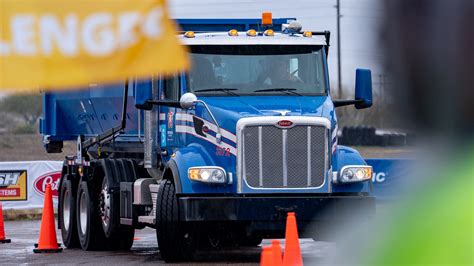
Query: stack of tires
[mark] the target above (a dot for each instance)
(367, 136)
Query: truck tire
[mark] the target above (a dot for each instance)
(108, 208)
(124, 239)
(67, 214)
(119, 237)
(176, 240)
(91, 235)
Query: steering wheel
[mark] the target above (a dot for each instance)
(295, 78)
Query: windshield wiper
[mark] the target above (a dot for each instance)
(288, 90)
(226, 90)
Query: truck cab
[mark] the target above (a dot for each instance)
(219, 153)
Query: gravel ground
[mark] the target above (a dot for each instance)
(145, 250)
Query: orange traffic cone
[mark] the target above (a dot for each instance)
(267, 258)
(277, 255)
(292, 256)
(3, 239)
(47, 241)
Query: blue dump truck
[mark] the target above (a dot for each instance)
(216, 155)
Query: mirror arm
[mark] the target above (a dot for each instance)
(149, 104)
(176, 104)
(339, 103)
(218, 133)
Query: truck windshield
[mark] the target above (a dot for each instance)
(257, 70)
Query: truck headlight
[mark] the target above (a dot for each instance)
(208, 174)
(354, 173)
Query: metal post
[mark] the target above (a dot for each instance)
(339, 79)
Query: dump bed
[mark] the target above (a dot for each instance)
(93, 110)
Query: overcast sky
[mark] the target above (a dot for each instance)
(359, 26)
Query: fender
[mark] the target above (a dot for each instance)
(191, 156)
(348, 156)
(171, 170)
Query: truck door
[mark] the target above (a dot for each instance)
(169, 90)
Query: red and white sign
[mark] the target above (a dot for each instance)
(10, 192)
(36, 175)
(49, 178)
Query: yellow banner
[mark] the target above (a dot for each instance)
(56, 44)
(13, 185)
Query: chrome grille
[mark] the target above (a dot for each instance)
(273, 157)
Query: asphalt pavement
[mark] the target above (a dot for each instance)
(145, 250)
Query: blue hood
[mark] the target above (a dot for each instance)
(228, 110)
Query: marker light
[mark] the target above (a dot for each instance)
(354, 173)
(233, 32)
(269, 33)
(189, 34)
(252, 33)
(207, 174)
(267, 18)
(308, 34)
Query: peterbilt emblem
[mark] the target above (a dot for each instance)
(284, 124)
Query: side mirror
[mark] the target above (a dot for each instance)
(363, 88)
(187, 100)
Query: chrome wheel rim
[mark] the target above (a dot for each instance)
(104, 205)
(66, 209)
(83, 213)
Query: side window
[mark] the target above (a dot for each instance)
(171, 88)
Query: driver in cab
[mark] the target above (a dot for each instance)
(277, 72)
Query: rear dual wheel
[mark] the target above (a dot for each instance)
(119, 237)
(91, 235)
(67, 214)
(89, 215)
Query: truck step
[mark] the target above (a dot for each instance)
(149, 220)
(126, 221)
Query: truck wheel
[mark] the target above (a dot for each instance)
(107, 209)
(176, 240)
(119, 237)
(67, 214)
(91, 236)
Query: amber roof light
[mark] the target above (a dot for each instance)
(267, 18)
(251, 33)
(189, 34)
(233, 32)
(269, 33)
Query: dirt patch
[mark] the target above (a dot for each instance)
(30, 214)
(29, 147)
(385, 152)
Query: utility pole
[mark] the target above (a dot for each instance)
(339, 79)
